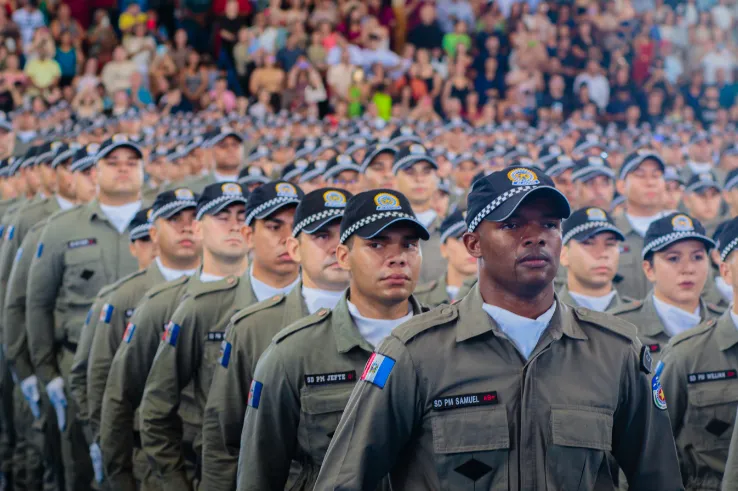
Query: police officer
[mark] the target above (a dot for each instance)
(190, 347)
(675, 261)
(590, 252)
(674, 188)
(701, 384)
(416, 173)
(303, 381)
(641, 182)
(80, 252)
(594, 182)
(464, 396)
(178, 253)
(315, 231)
(703, 200)
(251, 177)
(227, 149)
(344, 173)
(460, 265)
(377, 166)
(559, 167)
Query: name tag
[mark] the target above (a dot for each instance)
(76, 244)
(330, 378)
(465, 400)
(698, 378)
(216, 336)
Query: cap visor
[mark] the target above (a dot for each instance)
(169, 213)
(375, 228)
(592, 232)
(274, 209)
(314, 227)
(222, 206)
(699, 188)
(112, 148)
(558, 203)
(684, 236)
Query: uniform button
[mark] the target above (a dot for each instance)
(275, 298)
(446, 311)
(231, 280)
(322, 312)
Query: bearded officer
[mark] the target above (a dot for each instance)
(315, 235)
(303, 381)
(470, 395)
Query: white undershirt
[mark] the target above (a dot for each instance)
(700, 167)
(452, 291)
(674, 319)
(522, 331)
(170, 274)
(734, 317)
(121, 216)
(210, 278)
(224, 178)
(264, 291)
(64, 203)
(316, 299)
(598, 304)
(426, 217)
(375, 330)
(640, 224)
(726, 290)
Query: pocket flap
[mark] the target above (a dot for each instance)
(712, 396)
(82, 255)
(582, 427)
(473, 430)
(325, 401)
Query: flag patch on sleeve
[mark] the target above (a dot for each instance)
(255, 394)
(225, 354)
(130, 329)
(11, 232)
(18, 254)
(378, 370)
(171, 334)
(106, 313)
(39, 250)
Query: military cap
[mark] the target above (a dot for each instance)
(704, 180)
(588, 168)
(84, 157)
(140, 225)
(306, 148)
(294, 169)
(411, 155)
(64, 152)
(516, 152)
(313, 170)
(497, 196)
(260, 152)
(671, 174)
(672, 228)
(169, 203)
(319, 208)
(14, 164)
(340, 163)
(374, 150)
(29, 159)
(404, 135)
(700, 136)
(221, 133)
(495, 151)
(635, 159)
(558, 165)
(727, 239)
(216, 197)
(160, 151)
(453, 226)
(731, 149)
(356, 143)
(5, 123)
(617, 200)
(118, 141)
(444, 186)
(252, 174)
(548, 153)
(46, 152)
(271, 197)
(324, 144)
(587, 222)
(457, 124)
(369, 213)
(590, 140)
(130, 114)
(4, 167)
(465, 157)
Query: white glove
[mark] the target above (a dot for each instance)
(55, 390)
(97, 462)
(29, 387)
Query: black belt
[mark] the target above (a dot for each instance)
(137, 440)
(70, 345)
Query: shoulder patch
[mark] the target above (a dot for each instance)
(213, 287)
(419, 323)
(426, 287)
(258, 307)
(609, 322)
(695, 331)
(311, 320)
(162, 287)
(628, 305)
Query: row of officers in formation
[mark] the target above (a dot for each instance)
(241, 332)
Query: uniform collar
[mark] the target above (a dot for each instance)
(474, 321)
(622, 222)
(566, 297)
(95, 211)
(652, 325)
(726, 332)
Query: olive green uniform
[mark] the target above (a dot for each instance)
(306, 377)
(188, 353)
(433, 294)
(700, 380)
(467, 286)
(461, 409)
(651, 331)
(120, 438)
(197, 183)
(634, 283)
(81, 252)
(434, 265)
(247, 336)
(730, 478)
(711, 295)
(108, 334)
(616, 302)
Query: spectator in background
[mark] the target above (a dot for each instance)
(288, 55)
(68, 58)
(453, 39)
(193, 80)
(269, 77)
(28, 18)
(242, 59)
(596, 82)
(221, 97)
(428, 33)
(340, 77)
(317, 51)
(88, 103)
(728, 91)
(64, 23)
(130, 17)
(181, 49)
(88, 79)
(451, 11)
(228, 26)
(116, 75)
(43, 72)
(718, 56)
(101, 37)
(325, 11)
(722, 16)
(140, 46)
(139, 95)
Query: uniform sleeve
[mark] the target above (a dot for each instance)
(8, 253)
(378, 422)
(674, 381)
(642, 440)
(172, 370)
(44, 281)
(123, 393)
(105, 342)
(730, 478)
(14, 314)
(78, 373)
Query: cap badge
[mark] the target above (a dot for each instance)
(286, 189)
(92, 148)
(523, 177)
(183, 193)
(301, 164)
(334, 199)
(596, 161)
(555, 151)
(706, 177)
(596, 215)
(682, 223)
(321, 164)
(231, 188)
(55, 146)
(149, 213)
(386, 201)
(119, 138)
(255, 171)
(343, 160)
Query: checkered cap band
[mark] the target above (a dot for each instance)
(63, 156)
(731, 184)
(316, 218)
(219, 201)
(413, 158)
(82, 163)
(292, 174)
(604, 226)
(667, 239)
(557, 169)
(309, 175)
(699, 185)
(279, 200)
(496, 203)
(586, 171)
(252, 179)
(453, 230)
(174, 205)
(725, 251)
(371, 219)
(140, 232)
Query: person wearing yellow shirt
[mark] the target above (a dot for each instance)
(43, 71)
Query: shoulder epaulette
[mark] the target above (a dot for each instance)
(168, 285)
(203, 288)
(107, 289)
(426, 287)
(319, 316)
(607, 321)
(130, 276)
(419, 323)
(258, 307)
(626, 306)
(716, 308)
(701, 328)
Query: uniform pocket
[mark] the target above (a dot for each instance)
(471, 448)
(710, 416)
(580, 438)
(321, 411)
(84, 274)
